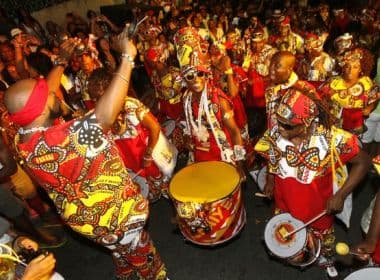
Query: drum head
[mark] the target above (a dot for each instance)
(368, 273)
(204, 182)
(273, 236)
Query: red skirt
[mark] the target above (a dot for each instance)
(305, 201)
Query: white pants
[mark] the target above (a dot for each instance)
(373, 129)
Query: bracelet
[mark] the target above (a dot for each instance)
(148, 157)
(59, 61)
(122, 77)
(129, 58)
(228, 71)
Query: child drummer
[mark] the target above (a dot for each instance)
(304, 152)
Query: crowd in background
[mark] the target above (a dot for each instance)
(334, 49)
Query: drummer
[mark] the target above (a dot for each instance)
(370, 246)
(300, 170)
(210, 123)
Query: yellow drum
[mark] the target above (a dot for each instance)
(207, 197)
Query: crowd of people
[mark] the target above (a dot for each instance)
(100, 116)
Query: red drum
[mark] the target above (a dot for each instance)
(301, 249)
(207, 198)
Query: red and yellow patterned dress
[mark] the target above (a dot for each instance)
(80, 168)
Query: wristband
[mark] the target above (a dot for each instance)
(129, 58)
(148, 157)
(59, 61)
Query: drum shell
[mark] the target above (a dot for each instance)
(212, 223)
(208, 200)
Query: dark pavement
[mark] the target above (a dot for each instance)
(244, 257)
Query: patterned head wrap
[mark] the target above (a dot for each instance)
(354, 55)
(314, 41)
(297, 108)
(192, 50)
(343, 42)
(285, 22)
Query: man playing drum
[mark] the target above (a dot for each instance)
(304, 151)
(210, 121)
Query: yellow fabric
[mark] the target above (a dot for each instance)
(376, 163)
(204, 182)
(346, 100)
(99, 197)
(377, 167)
(183, 56)
(170, 83)
(262, 146)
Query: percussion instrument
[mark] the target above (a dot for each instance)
(260, 177)
(368, 273)
(299, 249)
(207, 198)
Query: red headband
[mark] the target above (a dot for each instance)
(34, 106)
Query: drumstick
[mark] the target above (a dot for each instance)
(306, 224)
(343, 249)
(137, 174)
(259, 194)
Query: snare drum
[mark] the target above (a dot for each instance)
(207, 198)
(368, 273)
(300, 249)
